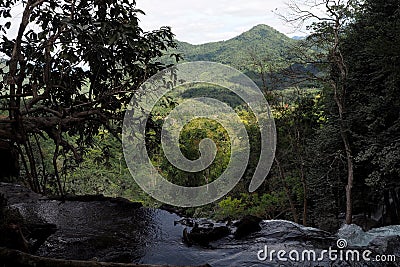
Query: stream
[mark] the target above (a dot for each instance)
(119, 232)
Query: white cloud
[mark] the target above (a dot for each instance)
(211, 20)
(203, 21)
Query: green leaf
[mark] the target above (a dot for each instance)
(113, 39)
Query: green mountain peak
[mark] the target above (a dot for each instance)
(260, 41)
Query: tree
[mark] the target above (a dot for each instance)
(328, 33)
(373, 59)
(71, 70)
(297, 119)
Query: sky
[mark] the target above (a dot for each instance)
(204, 21)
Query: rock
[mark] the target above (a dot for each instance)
(247, 225)
(171, 209)
(11, 224)
(11, 258)
(364, 222)
(16, 233)
(15, 193)
(13, 238)
(185, 221)
(123, 202)
(38, 234)
(203, 235)
(387, 245)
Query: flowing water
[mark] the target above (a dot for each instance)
(108, 231)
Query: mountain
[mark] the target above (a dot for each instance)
(261, 42)
(299, 37)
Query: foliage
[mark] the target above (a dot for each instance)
(261, 39)
(374, 105)
(261, 47)
(360, 105)
(71, 70)
(104, 171)
(264, 206)
(69, 84)
(190, 137)
(374, 86)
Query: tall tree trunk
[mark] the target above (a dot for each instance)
(287, 191)
(304, 183)
(350, 180)
(339, 86)
(349, 157)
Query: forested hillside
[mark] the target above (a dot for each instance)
(262, 53)
(334, 96)
(261, 41)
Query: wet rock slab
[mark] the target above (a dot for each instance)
(115, 230)
(15, 194)
(99, 228)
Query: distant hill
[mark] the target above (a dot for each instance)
(299, 37)
(260, 41)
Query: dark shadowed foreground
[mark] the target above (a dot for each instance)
(110, 230)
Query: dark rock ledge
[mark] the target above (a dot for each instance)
(12, 258)
(19, 255)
